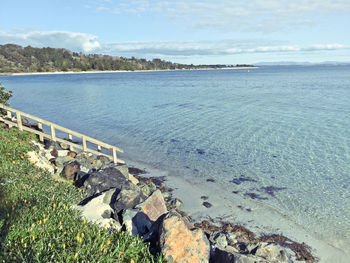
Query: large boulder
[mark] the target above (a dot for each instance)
(178, 243)
(100, 181)
(128, 197)
(95, 210)
(154, 206)
(136, 222)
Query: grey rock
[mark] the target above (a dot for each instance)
(110, 196)
(128, 197)
(136, 222)
(220, 240)
(222, 256)
(166, 195)
(71, 170)
(176, 203)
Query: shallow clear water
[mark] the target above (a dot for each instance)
(286, 127)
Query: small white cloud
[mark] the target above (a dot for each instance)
(59, 39)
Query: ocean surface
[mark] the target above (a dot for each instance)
(281, 135)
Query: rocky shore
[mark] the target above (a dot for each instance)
(122, 198)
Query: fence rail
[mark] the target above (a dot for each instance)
(8, 119)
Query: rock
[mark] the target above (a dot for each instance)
(231, 238)
(269, 251)
(207, 204)
(220, 240)
(54, 153)
(96, 211)
(133, 179)
(86, 161)
(176, 203)
(154, 206)
(136, 222)
(63, 153)
(60, 162)
(71, 170)
(221, 256)
(64, 146)
(128, 197)
(40, 161)
(180, 244)
(123, 168)
(72, 154)
(110, 196)
(144, 188)
(49, 144)
(100, 181)
(166, 195)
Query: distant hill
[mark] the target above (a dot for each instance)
(16, 59)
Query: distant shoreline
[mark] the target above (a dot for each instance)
(113, 71)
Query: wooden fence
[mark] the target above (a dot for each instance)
(8, 119)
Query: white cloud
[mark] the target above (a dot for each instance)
(151, 49)
(206, 48)
(58, 39)
(253, 15)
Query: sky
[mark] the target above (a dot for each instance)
(185, 31)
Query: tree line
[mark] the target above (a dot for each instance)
(15, 59)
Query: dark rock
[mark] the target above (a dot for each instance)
(207, 204)
(49, 144)
(136, 171)
(70, 171)
(104, 160)
(176, 203)
(54, 153)
(200, 151)
(100, 181)
(72, 154)
(203, 197)
(129, 196)
(211, 180)
(136, 222)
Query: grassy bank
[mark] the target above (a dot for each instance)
(37, 223)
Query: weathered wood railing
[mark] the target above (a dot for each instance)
(8, 119)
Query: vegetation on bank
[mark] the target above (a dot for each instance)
(37, 223)
(15, 59)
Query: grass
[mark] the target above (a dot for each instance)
(37, 223)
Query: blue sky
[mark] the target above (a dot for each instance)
(186, 31)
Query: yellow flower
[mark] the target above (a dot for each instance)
(8, 215)
(33, 237)
(105, 251)
(84, 221)
(71, 181)
(22, 157)
(13, 162)
(60, 228)
(132, 261)
(76, 255)
(101, 246)
(39, 222)
(45, 219)
(108, 242)
(22, 240)
(49, 244)
(30, 229)
(8, 154)
(54, 205)
(80, 190)
(60, 222)
(25, 201)
(25, 245)
(82, 235)
(64, 245)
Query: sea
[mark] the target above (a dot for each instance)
(277, 135)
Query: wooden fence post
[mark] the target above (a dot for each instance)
(53, 134)
(70, 137)
(84, 143)
(9, 115)
(115, 160)
(19, 121)
(40, 126)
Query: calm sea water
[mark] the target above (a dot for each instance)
(284, 127)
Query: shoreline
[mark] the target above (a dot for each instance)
(114, 71)
(256, 216)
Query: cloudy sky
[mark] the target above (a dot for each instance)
(186, 31)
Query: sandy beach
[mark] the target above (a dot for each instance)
(252, 214)
(113, 71)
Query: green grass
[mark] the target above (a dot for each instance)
(37, 223)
